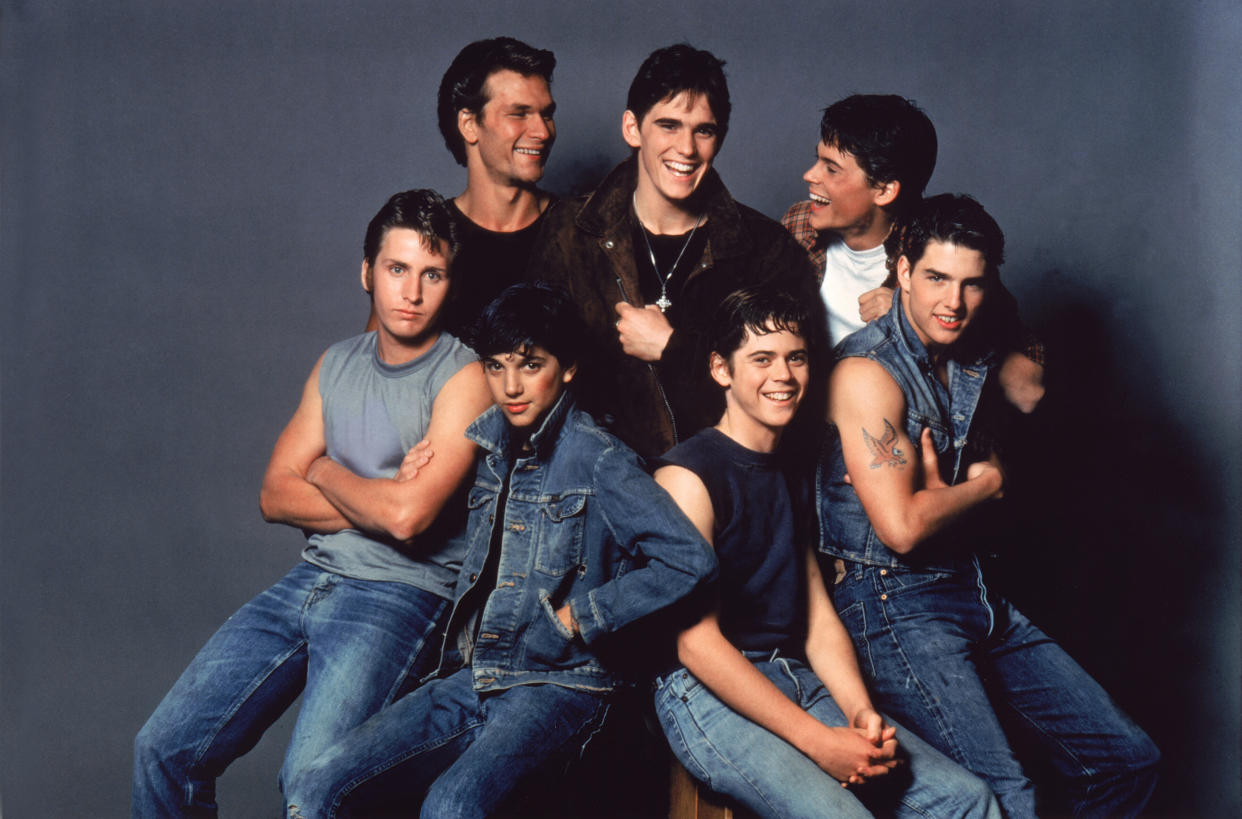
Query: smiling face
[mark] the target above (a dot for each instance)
(676, 141)
(764, 380)
(513, 134)
(408, 283)
(942, 292)
(525, 384)
(844, 201)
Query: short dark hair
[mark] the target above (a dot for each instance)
(757, 311)
(953, 218)
(463, 84)
(529, 315)
(889, 136)
(422, 210)
(673, 69)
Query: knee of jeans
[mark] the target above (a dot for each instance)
(154, 744)
(301, 797)
(976, 800)
(449, 803)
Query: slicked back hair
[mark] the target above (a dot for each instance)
(464, 83)
(673, 69)
(423, 211)
(529, 315)
(952, 218)
(889, 136)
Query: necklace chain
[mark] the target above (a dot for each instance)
(663, 302)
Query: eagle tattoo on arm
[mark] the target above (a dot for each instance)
(883, 450)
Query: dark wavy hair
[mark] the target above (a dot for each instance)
(529, 315)
(756, 311)
(463, 84)
(673, 69)
(952, 218)
(889, 136)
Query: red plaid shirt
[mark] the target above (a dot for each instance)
(797, 220)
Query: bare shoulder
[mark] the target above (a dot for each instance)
(690, 493)
(677, 480)
(859, 383)
(468, 385)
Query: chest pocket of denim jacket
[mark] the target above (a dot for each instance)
(560, 541)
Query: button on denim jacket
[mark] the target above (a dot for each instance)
(951, 414)
(583, 524)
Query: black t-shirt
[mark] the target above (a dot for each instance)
(683, 251)
(487, 263)
(762, 588)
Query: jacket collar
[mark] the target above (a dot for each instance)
(493, 433)
(608, 209)
(911, 345)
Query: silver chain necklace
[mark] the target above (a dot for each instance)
(663, 303)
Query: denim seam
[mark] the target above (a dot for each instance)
(945, 728)
(391, 763)
(210, 737)
(741, 774)
(416, 651)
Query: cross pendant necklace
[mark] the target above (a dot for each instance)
(663, 302)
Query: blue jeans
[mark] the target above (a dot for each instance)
(349, 646)
(944, 655)
(474, 747)
(745, 761)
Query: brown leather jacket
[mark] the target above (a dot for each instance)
(586, 246)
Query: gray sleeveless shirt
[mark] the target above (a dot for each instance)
(372, 414)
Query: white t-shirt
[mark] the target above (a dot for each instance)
(847, 275)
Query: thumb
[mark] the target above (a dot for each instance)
(931, 461)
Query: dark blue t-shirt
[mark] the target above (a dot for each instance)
(762, 582)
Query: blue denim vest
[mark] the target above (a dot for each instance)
(583, 524)
(950, 414)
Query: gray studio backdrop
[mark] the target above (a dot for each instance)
(185, 188)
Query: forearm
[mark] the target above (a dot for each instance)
(903, 527)
(736, 682)
(375, 505)
(290, 500)
(668, 577)
(673, 557)
(831, 656)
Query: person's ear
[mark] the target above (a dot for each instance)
(629, 129)
(367, 282)
(886, 193)
(719, 368)
(903, 272)
(468, 126)
(569, 373)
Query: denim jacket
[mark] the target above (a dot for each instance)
(951, 414)
(583, 524)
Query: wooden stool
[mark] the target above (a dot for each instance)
(690, 799)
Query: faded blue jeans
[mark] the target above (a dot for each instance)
(746, 762)
(943, 654)
(350, 647)
(458, 751)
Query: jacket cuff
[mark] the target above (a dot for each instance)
(591, 623)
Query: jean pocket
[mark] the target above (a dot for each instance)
(893, 582)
